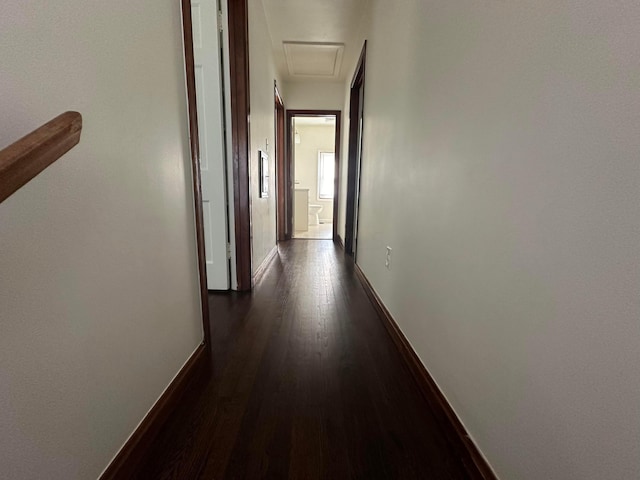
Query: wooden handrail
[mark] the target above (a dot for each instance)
(26, 158)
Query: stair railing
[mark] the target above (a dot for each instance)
(23, 160)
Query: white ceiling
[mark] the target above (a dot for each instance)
(329, 23)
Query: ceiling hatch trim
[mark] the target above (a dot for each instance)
(313, 59)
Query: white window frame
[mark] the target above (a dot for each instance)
(321, 158)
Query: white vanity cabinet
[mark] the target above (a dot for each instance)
(301, 210)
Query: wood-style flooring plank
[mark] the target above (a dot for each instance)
(304, 383)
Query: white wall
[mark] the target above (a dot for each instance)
(262, 74)
(99, 296)
(313, 139)
(508, 154)
(318, 95)
(314, 95)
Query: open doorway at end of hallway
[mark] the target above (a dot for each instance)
(313, 168)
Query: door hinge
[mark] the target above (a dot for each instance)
(228, 251)
(220, 22)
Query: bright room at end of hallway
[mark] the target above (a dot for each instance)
(323, 231)
(314, 171)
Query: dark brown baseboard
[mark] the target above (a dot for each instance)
(339, 241)
(133, 452)
(475, 464)
(260, 271)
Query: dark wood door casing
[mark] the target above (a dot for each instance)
(240, 103)
(354, 158)
(289, 167)
(281, 171)
(195, 165)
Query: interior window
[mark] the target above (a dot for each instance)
(326, 165)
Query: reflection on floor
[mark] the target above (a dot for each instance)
(317, 232)
(304, 383)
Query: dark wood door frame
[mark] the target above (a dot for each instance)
(287, 188)
(281, 167)
(194, 143)
(239, 92)
(354, 159)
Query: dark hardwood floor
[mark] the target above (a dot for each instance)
(304, 383)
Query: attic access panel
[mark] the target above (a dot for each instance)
(309, 59)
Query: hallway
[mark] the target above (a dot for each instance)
(305, 383)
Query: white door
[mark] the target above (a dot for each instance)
(206, 53)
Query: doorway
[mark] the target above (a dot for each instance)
(207, 108)
(281, 166)
(312, 170)
(356, 111)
